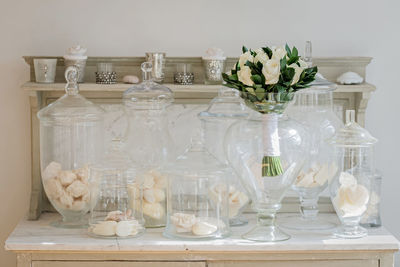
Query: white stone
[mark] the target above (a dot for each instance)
(130, 79)
(106, 228)
(183, 222)
(66, 177)
(51, 171)
(77, 189)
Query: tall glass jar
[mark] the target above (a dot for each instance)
(71, 138)
(198, 193)
(116, 196)
(223, 111)
(314, 108)
(246, 146)
(351, 188)
(148, 140)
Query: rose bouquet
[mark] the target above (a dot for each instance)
(267, 79)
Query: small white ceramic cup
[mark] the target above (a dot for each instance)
(45, 69)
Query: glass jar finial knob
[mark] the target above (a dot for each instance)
(71, 76)
(147, 68)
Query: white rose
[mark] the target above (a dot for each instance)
(298, 70)
(261, 56)
(279, 53)
(271, 71)
(244, 75)
(244, 58)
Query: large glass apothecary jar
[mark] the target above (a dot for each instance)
(313, 107)
(71, 138)
(148, 140)
(198, 193)
(351, 188)
(222, 112)
(116, 196)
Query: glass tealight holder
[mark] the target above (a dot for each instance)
(105, 73)
(351, 188)
(197, 196)
(183, 74)
(116, 196)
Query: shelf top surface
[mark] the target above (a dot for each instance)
(198, 88)
(40, 236)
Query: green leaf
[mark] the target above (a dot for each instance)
(268, 51)
(295, 52)
(256, 79)
(234, 77)
(251, 90)
(283, 64)
(289, 53)
(244, 49)
(260, 93)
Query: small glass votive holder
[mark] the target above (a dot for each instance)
(183, 74)
(105, 73)
(158, 61)
(45, 69)
(213, 69)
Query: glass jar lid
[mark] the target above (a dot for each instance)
(72, 107)
(352, 134)
(228, 104)
(196, 161)
(148, 94)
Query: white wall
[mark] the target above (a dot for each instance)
(187, 28)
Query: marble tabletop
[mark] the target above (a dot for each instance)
(40, 236)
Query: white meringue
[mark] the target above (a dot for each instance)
(51, 171)
(153, 210)
(53, 188)
(66, 177)
(77, 189)
(124, 228)
(204, 227)
(106, 228)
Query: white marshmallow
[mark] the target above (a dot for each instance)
(183, 222)
(51, 171)
(77, 189)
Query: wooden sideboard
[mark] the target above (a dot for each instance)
(38, 244)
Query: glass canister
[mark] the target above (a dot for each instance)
(313, 107)
(116, 196)
(148, 140)
(198, 193)
(223, 111)
(351, 188)
(247, 146)
(372, 216)
(71, 138)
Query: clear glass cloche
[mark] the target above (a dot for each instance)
(222, 112)
(198, 195)
(71, 138)
(148, 139)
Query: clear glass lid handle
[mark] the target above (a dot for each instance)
(147, 68)
(71, 76)
(350, 116)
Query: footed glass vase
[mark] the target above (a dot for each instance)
(247, 144)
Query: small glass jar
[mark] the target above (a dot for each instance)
(372, 216)
(225, 109)
(71, 138)
(183, 74)
(105, 73)
(198, 193)
(116, 196)
(148, 140)
(351, 188)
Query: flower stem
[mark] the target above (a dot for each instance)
(271, 166)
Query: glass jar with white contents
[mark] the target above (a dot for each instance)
(116, 196)
(313, 107)
(71, 138)
(224, 110)
(197, 194)
(351, 188)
